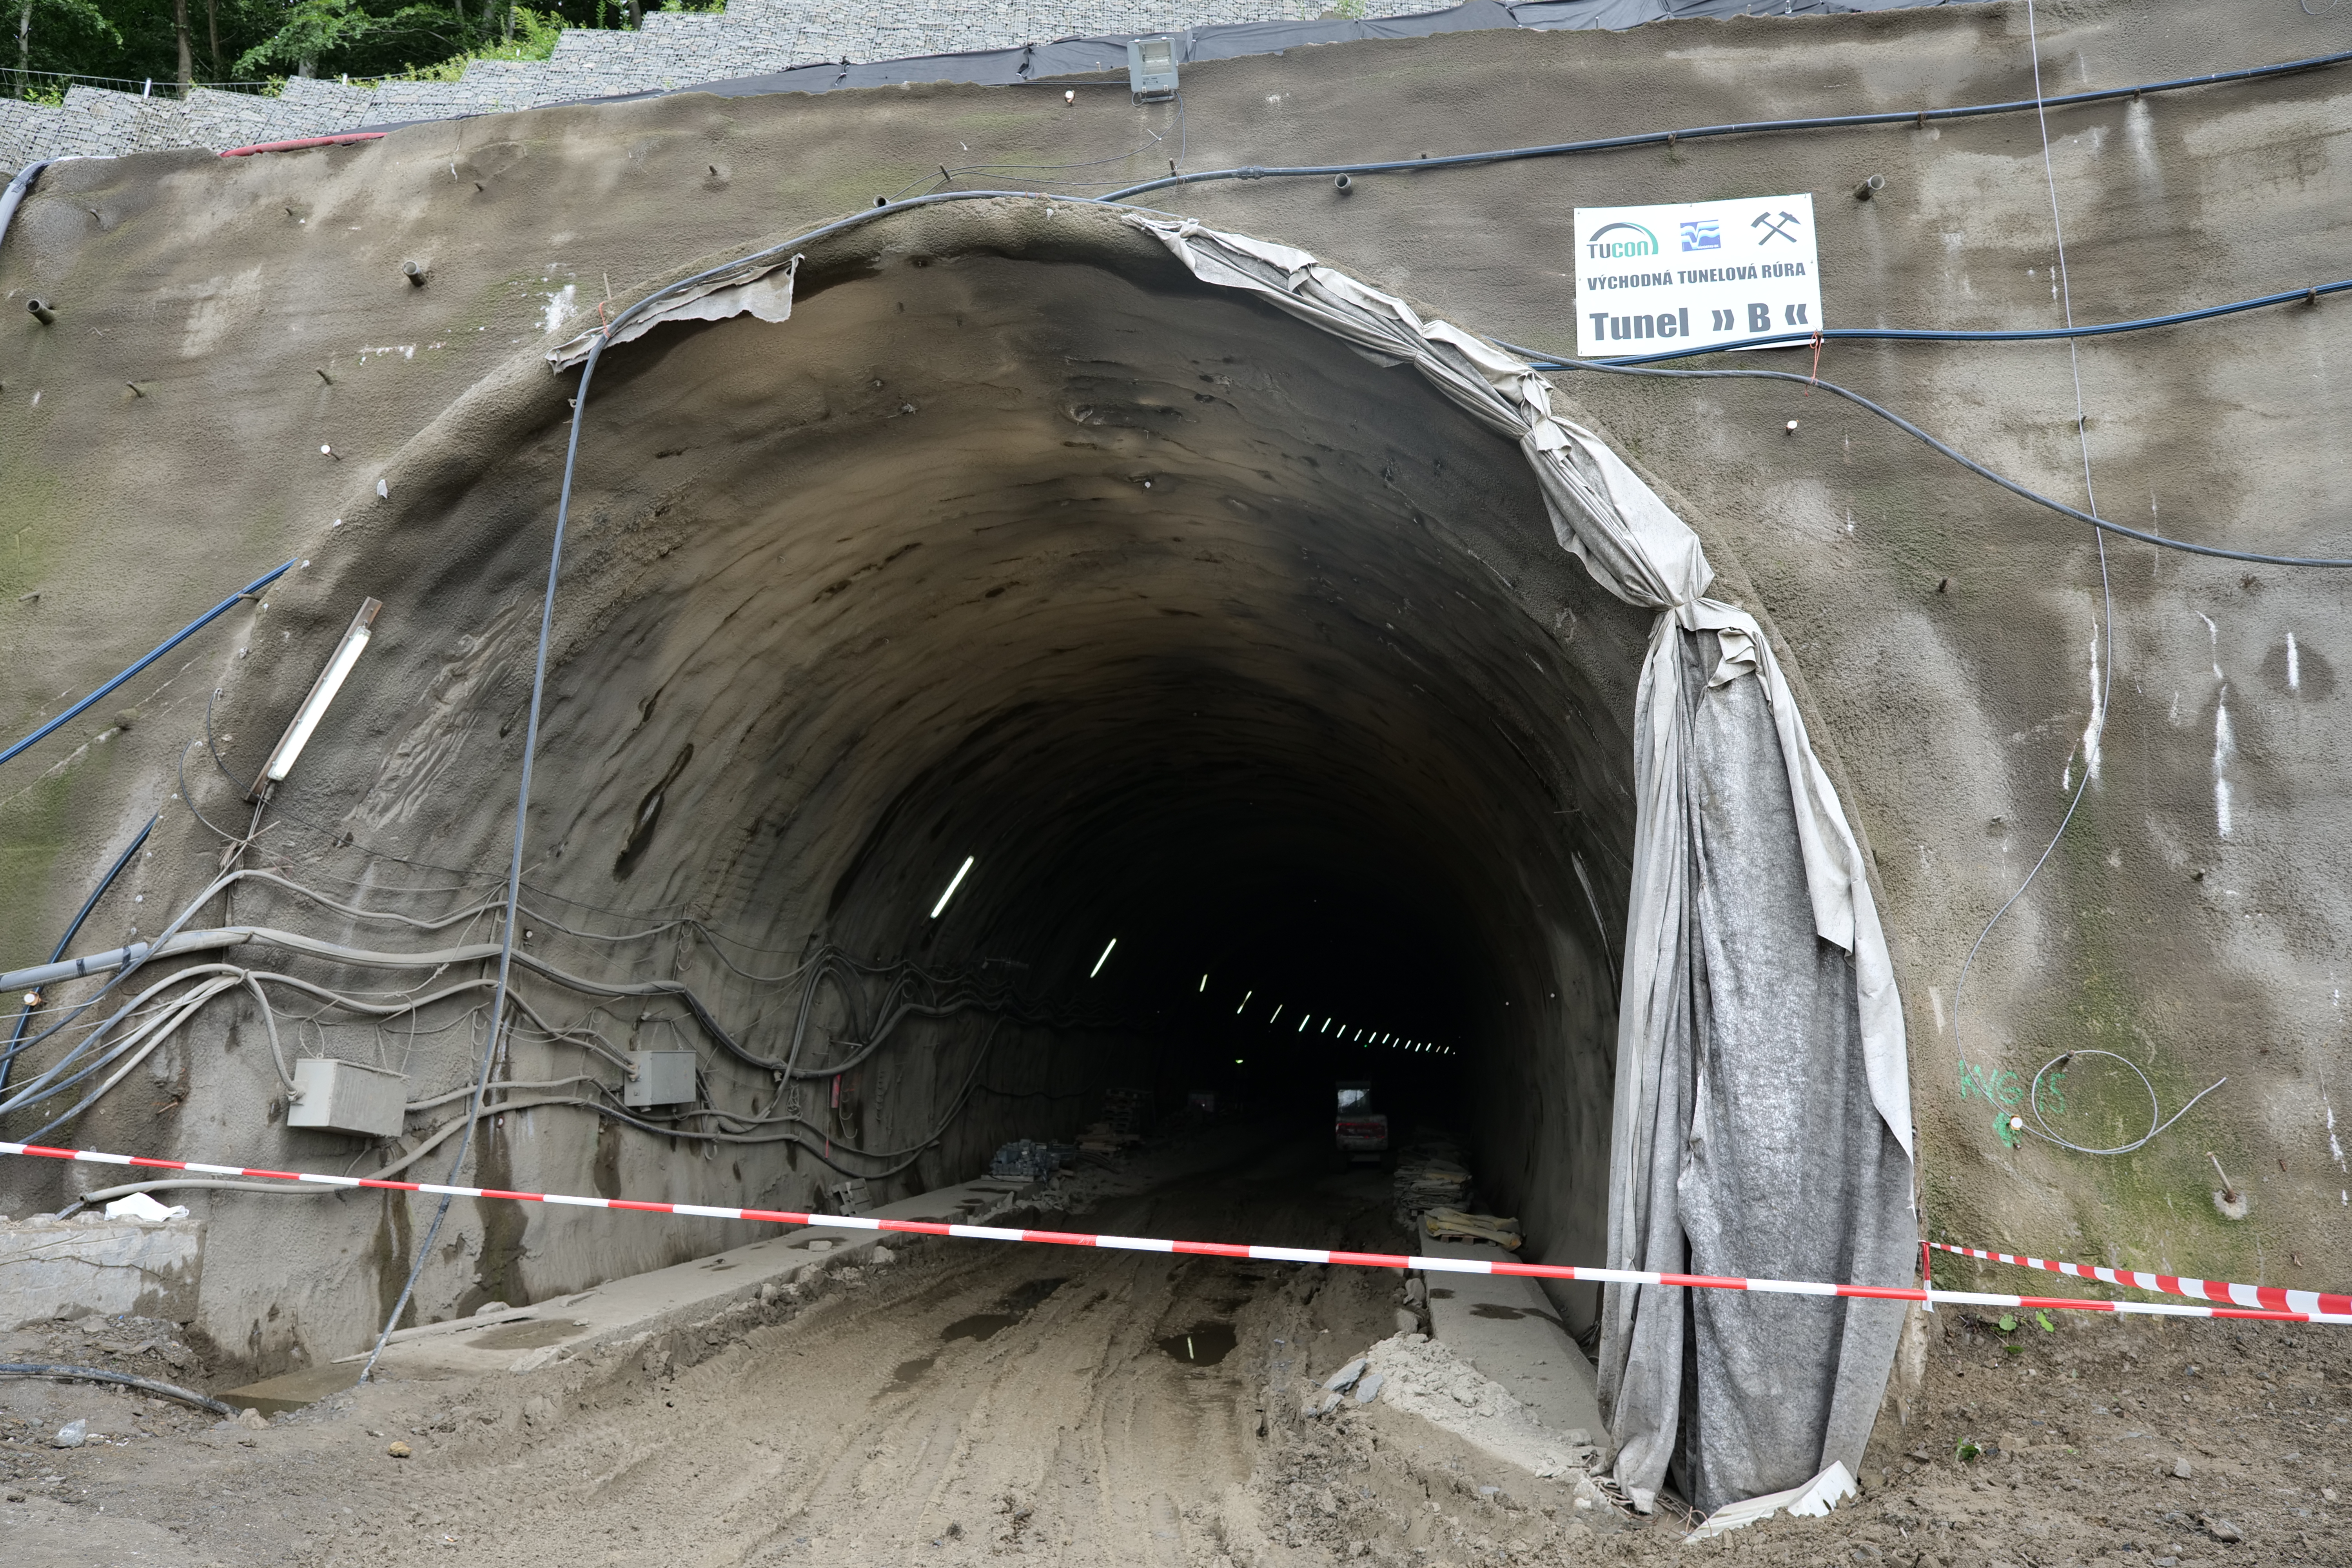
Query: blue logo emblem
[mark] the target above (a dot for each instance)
(1702, 234)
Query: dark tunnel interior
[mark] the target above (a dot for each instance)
(1196, 632)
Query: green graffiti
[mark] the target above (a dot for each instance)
(2053, 1098)
(1999, 1085)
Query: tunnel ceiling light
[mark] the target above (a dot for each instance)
(953, 883)
(1102, 960)
(1326, 1028)
(1204, 983)
(314, 706)
(1303, 1021)
(1246, 997)
(1275, 1014)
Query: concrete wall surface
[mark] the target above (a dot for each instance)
(784, 726)
(88, 1266)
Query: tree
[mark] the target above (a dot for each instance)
(79, 18)
(361, 42)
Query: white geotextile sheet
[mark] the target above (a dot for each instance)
(762, 288)
(1637, 549)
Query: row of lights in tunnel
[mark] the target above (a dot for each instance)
(1362, 1035)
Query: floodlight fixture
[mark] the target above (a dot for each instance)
(1151, 69)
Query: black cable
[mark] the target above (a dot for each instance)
(16, 1036)
(1742, 128)
(2310, 295)
(100, 1374)
(1541, 362)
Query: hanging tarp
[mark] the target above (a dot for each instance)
(763, 289)
(1763, 1115)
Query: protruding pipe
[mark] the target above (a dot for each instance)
(413, 272)
(41, 311)
(1343, 184)
(1869, 187)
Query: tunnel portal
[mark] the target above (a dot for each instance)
(1211, 644)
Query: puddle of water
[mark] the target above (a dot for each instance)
(1439, 1293)
(903, 1377)
(978, 1326)
(1018, 1303)
(1204, 1344)
(528, 1334)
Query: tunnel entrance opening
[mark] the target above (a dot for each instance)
(1215, 647)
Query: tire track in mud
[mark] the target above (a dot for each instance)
(1083, 1408)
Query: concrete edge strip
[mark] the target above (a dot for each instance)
(2274, 1297)
(2311, 1314)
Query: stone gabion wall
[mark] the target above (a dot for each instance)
(674, 48)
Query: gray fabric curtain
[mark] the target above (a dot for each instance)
(1763, 1106)
(1767, 1158)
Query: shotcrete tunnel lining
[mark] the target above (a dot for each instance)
(984, 782)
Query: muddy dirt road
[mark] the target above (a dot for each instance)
(968, 1402)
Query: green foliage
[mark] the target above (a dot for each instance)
(2008, 1324)
(2048, 1327)
(246, 43)
(1968, 1449)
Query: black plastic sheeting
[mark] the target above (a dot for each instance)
(1092, 56)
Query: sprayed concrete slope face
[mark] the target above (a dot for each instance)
(1198, 630)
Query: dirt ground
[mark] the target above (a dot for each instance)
(970, 1401)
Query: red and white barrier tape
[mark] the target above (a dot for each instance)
(2271, 1295)
(1218, 1248)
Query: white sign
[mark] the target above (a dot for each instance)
(1694, 274)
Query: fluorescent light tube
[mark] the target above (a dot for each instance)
(322, 691)
(1102, 960)
(953, 883)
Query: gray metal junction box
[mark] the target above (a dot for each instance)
(659, 1078)
(335, 1096)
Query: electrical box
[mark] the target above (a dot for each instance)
(659, 1078)
(334, 1096)
(1152, 68)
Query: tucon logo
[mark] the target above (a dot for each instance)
(1618, 240)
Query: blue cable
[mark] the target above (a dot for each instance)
(17, 1036)
(166, 646)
